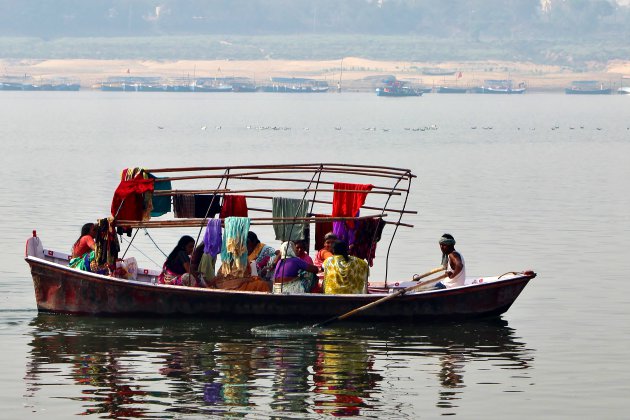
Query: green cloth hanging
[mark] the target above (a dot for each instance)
(161, 204)
(289, 208)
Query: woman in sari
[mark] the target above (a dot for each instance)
(300, 251)
(260, 253)
(292, 274)
(343, 273)
(326, 251)
(85, 243)
(83, 248)
(176, 270)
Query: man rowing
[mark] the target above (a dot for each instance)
(453, 263)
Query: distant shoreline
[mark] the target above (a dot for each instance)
(355, 74)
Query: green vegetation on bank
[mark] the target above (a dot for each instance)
(570, 53)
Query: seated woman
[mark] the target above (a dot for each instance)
(257, 253)
(83, 248)
(261, 254)
(202, 264)
(176, 270)
(292, 274)
(326, 251)
(343, 273)
(85, 243)
(300, 252)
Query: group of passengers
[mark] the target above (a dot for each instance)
(287, 270)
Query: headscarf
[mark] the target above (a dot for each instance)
(287, 250)
(445, 240)
(255, 252)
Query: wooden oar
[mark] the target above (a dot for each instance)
(381, 300)
(417, 277)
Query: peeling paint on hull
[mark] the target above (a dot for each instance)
(66, 290)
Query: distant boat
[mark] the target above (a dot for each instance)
(500, 87)
(10, 86)
(66, 87)
(398, 89)
(61, 85)
(31, 86)
(115, 87)
(438, 72)
(505, 91)
(587, 87)
(211, 88)
(451, 89)
(296, 85)
(150, 87)
(244, 87)
(179, 84)
(131, 84)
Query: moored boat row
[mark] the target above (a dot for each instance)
(216, 85)
(41, 85)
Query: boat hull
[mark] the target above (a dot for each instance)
(294, 89)
(499, 91)
(66, 290)
(448, 89)
(570, 91)
(397, 92)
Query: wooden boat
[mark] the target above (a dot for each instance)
(398, 89)
(500, 87)
(60, 288)
(295, 85)
(438, 72)
(587, 87)
(451, 89)
(244, 87)
(41, 85)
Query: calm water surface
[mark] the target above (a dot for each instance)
(523, 182)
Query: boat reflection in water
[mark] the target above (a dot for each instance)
(136, 368)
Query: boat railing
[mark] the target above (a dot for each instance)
(388, 195)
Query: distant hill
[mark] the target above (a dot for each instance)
(571, 33)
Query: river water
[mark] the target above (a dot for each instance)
(534, 181)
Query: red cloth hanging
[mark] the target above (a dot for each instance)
(233, 206)
(347, 204)
(131, 192)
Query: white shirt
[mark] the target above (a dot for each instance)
(459, 279)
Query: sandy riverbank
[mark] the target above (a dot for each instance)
(357, 74)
